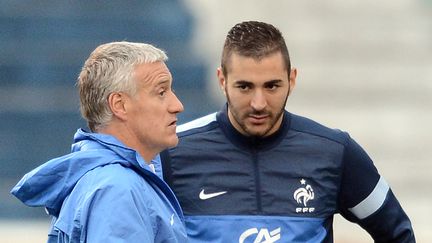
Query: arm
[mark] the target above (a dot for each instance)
(367, 199)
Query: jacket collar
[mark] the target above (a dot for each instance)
(84, 140)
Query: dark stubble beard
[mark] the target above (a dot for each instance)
(239, 119)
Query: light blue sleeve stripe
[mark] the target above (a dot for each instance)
(372, 202)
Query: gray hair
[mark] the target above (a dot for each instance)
(109, 69)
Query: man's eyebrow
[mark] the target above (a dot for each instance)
(274, 81)
(242, 82)
(245, 82)
(162, 82)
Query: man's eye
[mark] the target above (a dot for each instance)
(243, 87)
(162, 93)
(272, 86)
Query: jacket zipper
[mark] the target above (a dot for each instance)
(257, 182)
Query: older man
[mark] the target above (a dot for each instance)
(109, 188)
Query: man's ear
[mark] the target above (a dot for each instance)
(116, 102)
(221, 79)
(292, 79)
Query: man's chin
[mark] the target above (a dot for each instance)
(256, 132)
(172, 142)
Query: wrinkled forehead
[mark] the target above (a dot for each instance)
(151, 74)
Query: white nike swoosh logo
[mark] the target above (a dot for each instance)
(205, 196)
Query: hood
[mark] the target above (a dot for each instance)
(49, 184)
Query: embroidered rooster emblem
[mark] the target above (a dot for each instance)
(304, 194)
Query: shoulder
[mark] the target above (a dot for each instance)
(109, 188)
(113, 178)
(311, 127)
(198, 125)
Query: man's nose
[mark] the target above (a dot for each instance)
(176, 105)
(258, 101)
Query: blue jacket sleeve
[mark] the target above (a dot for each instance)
(367, 199)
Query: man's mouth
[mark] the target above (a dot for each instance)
(173, 123)
(258, 118)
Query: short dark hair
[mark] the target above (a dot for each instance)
(256, 40)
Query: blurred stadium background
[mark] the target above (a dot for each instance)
(364, 67)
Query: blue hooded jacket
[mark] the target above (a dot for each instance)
(103, 192)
